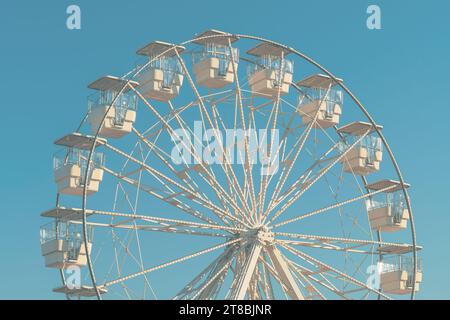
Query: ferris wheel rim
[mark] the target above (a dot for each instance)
(307, 59)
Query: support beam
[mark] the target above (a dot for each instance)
(284, 273)
(242, 281)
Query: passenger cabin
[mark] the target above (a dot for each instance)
(366, 156)
(387, 210)
(162, 76)
(71, 163)
(115, 103)
(271, 74)
(62, 244)
(213, 66)
(320, 100)
(397, 275)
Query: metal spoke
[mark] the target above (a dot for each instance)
(307, 257)
(205, 112)
(311, 182)
(327, 239)
(186, 191)
(167, 264)
(174, 202)
(331, 207)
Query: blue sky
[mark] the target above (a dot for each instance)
(400, 73)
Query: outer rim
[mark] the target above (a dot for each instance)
(311, 61)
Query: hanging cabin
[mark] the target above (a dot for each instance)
(62, 244)
(397, 275)
(270, 74)
(162, 77)
(117, 109)
(213, 65)
(366, 156)
(387, 210)
(71, 164)
(319, 96)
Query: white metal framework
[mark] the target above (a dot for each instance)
(140, 225)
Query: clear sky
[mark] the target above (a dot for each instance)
(401, 74)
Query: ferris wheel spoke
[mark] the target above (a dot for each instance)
(323, 282)
(227, 168)
(341, 274)
(333, 206)
(291, 162)
(233, 186)
(158, 127)
(136, 234)
(187, 193)
(125, 250)
(264, 185)
(267, 282)
(285, 172)
(170, 263)
(310, 182)
(247, 192)
(185, 129)
(357, 269)
(204, 111)
(247, 168)
(186, 178)
(282, 268)
(213, 283)
(263, 139)
(171, 199)
(256, 288)
(119, 265)
(303, 178)
(242, 278)
(326, 246)
(267, 262)
(174, 229)
(201, 164)
(158, 220)
(281, 148)
(211, 178)
(308, 284)
(194, 285)
(391, 247)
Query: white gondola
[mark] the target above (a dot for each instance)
(71, 163)
(271, 73)
(62, 244)
(319, 96)
(397, 275)
(387, 210)
(162, 77)
(213, 67)
(121, 115)
(366, 156)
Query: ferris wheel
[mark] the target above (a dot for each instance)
(229, 167)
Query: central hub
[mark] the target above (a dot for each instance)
(261, 234)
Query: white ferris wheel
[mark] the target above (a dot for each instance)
(304, 200)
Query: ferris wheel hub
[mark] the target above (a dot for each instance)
(261, 234)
